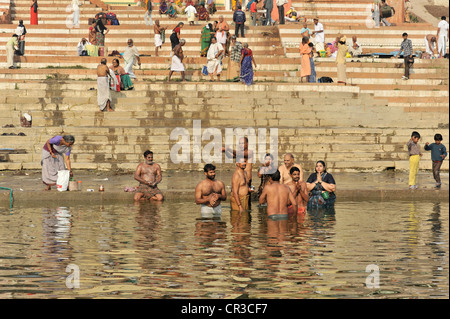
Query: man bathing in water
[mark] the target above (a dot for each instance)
(278, 197)
(289, 162)
(239, 187)
(148, 174)
(209, 193)
(299, 190)
(243, 152)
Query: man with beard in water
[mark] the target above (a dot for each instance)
(148, 174)
(209, 193)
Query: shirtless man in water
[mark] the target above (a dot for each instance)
(210, 193)
(148, 174)
(248, 155)
(289, 162)
(278, 197)
(299, 190)
(239, 187)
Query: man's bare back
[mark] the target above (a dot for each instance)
(102, 70)
(178, 51)
(278, 198)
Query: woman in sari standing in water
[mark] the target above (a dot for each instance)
(34, 12)
(56, 157)
(322, 187)
(246, 65)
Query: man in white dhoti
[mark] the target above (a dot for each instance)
(442, 36)
(214, 58)
(190, 13)
(131, 57)
(177, 60)
(430, 44)
(158, 36)
(103, 93)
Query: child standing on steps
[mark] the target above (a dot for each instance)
(438, 154)
(414, 158)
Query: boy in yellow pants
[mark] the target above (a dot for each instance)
(414, 158)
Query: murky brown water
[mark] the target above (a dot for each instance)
(164, 251)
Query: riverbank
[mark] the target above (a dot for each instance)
(390, 185)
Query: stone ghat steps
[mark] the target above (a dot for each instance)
(370, 67)
(121, 144)
(382, 82)
(228, 119)
(389, 82)
(66, 87)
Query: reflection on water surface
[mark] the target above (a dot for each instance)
(166, 251)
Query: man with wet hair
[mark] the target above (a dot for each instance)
(239, 187)
(299, 190)
(209, 193)
(148, 174)
(278, 198)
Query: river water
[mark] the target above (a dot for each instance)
(146, 250)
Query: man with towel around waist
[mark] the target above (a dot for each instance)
(177, 60)
(209, 193)
(239, 187)
(103, 93)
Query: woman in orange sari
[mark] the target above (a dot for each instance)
(305, 52)
(34, 12)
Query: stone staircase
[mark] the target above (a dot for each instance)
(361, 126)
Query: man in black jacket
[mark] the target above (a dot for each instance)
(239, 21)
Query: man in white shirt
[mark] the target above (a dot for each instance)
(131, 56)
(442, 36)
(190, 13)
(280, 6)
(319, 35)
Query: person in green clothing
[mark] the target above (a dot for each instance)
(207, 34)
(125, 81)
(11, 46)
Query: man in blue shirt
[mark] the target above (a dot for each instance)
(438, 154)
(239, 20)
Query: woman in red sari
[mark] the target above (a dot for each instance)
(34, 12)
